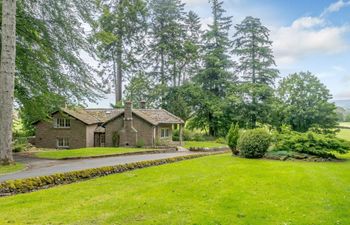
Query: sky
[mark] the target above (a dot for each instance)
(307, 35)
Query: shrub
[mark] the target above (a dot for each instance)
(312, 143)
(254, 143)
(232, 138)
(140, 143)
(221, 140)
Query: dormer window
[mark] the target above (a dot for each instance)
(62, 123)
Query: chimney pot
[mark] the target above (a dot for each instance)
(143, 104)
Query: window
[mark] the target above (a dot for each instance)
(164, 132)
(62, 123)
(62, 143)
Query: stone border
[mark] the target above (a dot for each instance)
(112, 155)
(26, 185)
(214, 149)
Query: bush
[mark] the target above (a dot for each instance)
(221, 140)
(312, 143)
(254, 143)
(188, 135)
(140, 143)
(232, 138)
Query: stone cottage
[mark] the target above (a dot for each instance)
(80, 128)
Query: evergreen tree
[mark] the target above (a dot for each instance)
(51, 43)
(192, 47)
(256, 66)
(166, 40)
(120, 39)
(215, 77)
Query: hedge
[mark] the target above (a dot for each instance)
(37, 183)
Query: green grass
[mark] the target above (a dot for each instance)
(11, 168)
(86, 152)
(203, 144)
(218, 189)
(345, 134)
(344, 124)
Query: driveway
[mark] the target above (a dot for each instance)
(43, 167)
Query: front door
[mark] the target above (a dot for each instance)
(99, 140)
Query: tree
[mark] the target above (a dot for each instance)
(7, 77)
(232, 138)
(215, 77)
(120, 39)
(256, 67)
(166, 40)
(304, 102)
(52, 48)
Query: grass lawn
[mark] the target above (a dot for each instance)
(203, 144)
(344, 124)
(11, 168)
(217, 189)
(86, 152)
(345, 134)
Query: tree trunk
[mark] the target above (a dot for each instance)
(254, 82)
(7, 76)
(119, 85)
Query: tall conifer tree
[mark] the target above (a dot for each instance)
(256, 66)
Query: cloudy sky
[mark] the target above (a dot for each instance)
(311, 35)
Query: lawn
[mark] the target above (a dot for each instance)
(345, 134)
(344, 124)
(203, 144)
(11, 168)
(217, 189)
(86, 152)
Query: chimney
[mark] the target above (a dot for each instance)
(143, 104)
(128, 135)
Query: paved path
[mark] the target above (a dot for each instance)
(43, 167)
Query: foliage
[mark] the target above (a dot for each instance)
(189, 135)
(203, 144)
(256, 67)
(119, 39)
(221, 140)
(310, 143)
(50, 70)
(303, 102)
(215, 77)
(254, 143)
(232, 137)
(37, 183)
(140, 143)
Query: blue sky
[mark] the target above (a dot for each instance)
(308, 35)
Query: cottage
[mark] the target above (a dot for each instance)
(80, 128)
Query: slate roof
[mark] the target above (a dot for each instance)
(102, 116)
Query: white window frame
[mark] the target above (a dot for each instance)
(164, 133)
(62, 123)
(62, 142)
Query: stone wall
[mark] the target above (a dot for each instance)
(46, 134)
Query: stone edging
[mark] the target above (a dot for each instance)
(114, 155)
(26, 185)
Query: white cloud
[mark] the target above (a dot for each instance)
(308, 36)
(335, 7)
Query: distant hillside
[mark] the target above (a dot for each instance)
(343, 103)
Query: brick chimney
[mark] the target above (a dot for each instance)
(143, 104)
(128, 135)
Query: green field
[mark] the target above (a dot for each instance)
(345, 134)
(86, 152)
(203, 144)
(344, 124)
(212, 190)
(11, 168)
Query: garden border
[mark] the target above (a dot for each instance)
(13, 187)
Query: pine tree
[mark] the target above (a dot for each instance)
(256, 66)
(215, 77)
(120, 39)
(166, 40)
(7, 77)
(192, 47)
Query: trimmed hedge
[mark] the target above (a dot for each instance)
(254, 143)
(37, 183)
